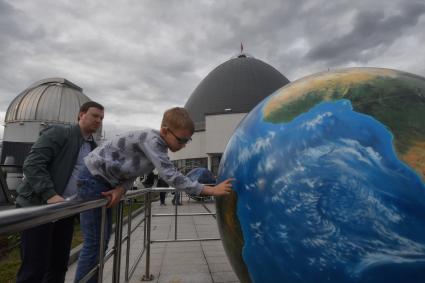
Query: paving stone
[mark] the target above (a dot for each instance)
(181, 268)
(225, 276)
(220, 267)
(217, 259)
(185, 278)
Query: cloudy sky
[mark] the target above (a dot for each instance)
(140, 57)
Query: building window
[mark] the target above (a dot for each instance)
(215, 162)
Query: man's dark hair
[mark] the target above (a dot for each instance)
(85, 107)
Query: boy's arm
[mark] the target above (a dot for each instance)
(222, 189)
(166, 169)
(128, 184)
(169, 173)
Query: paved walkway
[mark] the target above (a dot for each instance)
(178, 262)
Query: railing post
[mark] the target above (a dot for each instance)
(145, 198)
(102, 245)
(175, 218)
(127, 256)
(118, 243)
(148, 276)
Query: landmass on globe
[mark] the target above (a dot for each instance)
(394, 98)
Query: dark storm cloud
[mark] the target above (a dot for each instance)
(15, 35)
(371, 30)
(10, 27)
(139, 58)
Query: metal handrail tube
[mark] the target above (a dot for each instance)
(118, 243)
(108, 255)
(147, 233)
(19, 219)
(145, 225)
(130, 195)
(134, 193)
(129, 271)
(184, 214)
(128, 239)
(102, 245)
(89, 274)
(186, 240)
(160, 189)
(16, 220)
(147, 276)
(175, 218)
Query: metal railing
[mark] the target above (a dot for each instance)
(147, 276)
(19, 219)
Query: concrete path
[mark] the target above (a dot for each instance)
(178, 262)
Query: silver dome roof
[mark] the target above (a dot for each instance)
(48, 100)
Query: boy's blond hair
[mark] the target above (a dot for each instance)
(177, 118)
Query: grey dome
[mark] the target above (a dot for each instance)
(236, 86)
(48, 100)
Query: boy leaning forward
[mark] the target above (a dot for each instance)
(112, 168)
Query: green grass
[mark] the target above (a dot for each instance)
(9, 265)
(9, 258)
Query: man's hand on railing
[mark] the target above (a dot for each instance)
(55, 199)
(114, 196)
(222, 189)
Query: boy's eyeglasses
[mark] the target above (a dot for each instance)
(179, 139)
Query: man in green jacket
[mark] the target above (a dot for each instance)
(50, 174)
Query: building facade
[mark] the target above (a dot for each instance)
(219, 103)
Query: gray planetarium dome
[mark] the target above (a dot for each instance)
(48, 100)
(236, 86)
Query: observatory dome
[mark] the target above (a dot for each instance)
(235, 86)
(49, 100)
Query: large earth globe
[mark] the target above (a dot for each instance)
(329, 182)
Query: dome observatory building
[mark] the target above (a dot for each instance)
(47, 102)
(219, 103)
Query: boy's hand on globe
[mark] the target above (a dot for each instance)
(222, 189)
